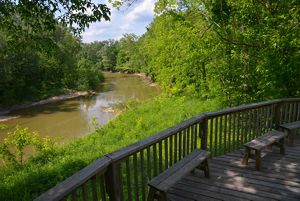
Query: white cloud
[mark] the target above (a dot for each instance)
(131, 20)
(139, 13)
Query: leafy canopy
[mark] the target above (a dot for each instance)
(34, 16)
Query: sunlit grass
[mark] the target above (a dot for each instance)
(139, 121)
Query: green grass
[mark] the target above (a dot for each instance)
(138, 122)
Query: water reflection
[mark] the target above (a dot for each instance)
(69, 119)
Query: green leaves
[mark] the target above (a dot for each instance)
(37, 16)
(12, 149)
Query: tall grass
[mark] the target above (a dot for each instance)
(146, 119)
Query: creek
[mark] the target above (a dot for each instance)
(66, 120)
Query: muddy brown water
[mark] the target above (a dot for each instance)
(70, 119)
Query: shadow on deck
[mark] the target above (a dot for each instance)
(279, 178)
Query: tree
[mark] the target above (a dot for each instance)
(260, 44)
(34, 16)
(241, 51)
(128, 55)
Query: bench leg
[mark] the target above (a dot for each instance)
(151, 194)
(257, 159)
(282, 148)
(163, 197)
(246, 156)
(206, 168)
(291, 138)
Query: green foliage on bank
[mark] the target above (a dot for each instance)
(33, 69)
(138, 122)
(12, 150)
(241, 51)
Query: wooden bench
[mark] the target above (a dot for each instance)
(160, 184)
(270, 138)
(290, 127)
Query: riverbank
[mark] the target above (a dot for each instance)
(4, 113)
(144, 76)
(148, 79)
(138, 122)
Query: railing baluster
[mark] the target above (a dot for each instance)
(279, 114)
(261, 125)
(102, 188)
(248, 119)
(121, 181)
(247, 130)
(257, 124)
(155, 159)
(233, 132)
(171, 150)
(298, 112)
(242, 127)
(290, 112)
(149, 163)
(166, 153)
(216, 137)
(196, 128)
(238, 129)
(188, 140)
(220, 136)
(184, 143)
(84, 192)
(135, 175)
(225, 135)
(286, 112)
(211, 137)
(129, 195)
(160, 160)
(74, 196)
(192, 131)
(272, 118)
(268, 118)
(295, 112)
(229, 133)
(143, 178)
(94, 184)
(180, 145)
(175, 148)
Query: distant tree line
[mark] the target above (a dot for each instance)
(240, 51)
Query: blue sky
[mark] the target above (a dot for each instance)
(134, 19)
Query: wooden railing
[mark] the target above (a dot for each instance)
(124, 174)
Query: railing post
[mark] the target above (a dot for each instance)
(203, 133)
(113, 181)
(277, 114)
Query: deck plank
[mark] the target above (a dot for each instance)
(279, 178)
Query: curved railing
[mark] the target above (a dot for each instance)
(124, 174)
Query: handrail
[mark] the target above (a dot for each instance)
(62, 189)
(127, 170)
(243, 108)
(135, 147)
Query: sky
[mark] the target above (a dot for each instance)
(133, 19)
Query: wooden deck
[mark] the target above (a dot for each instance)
(279, 178)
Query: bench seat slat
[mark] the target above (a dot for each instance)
(291, 126)
(265, 140)
(169, 177)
